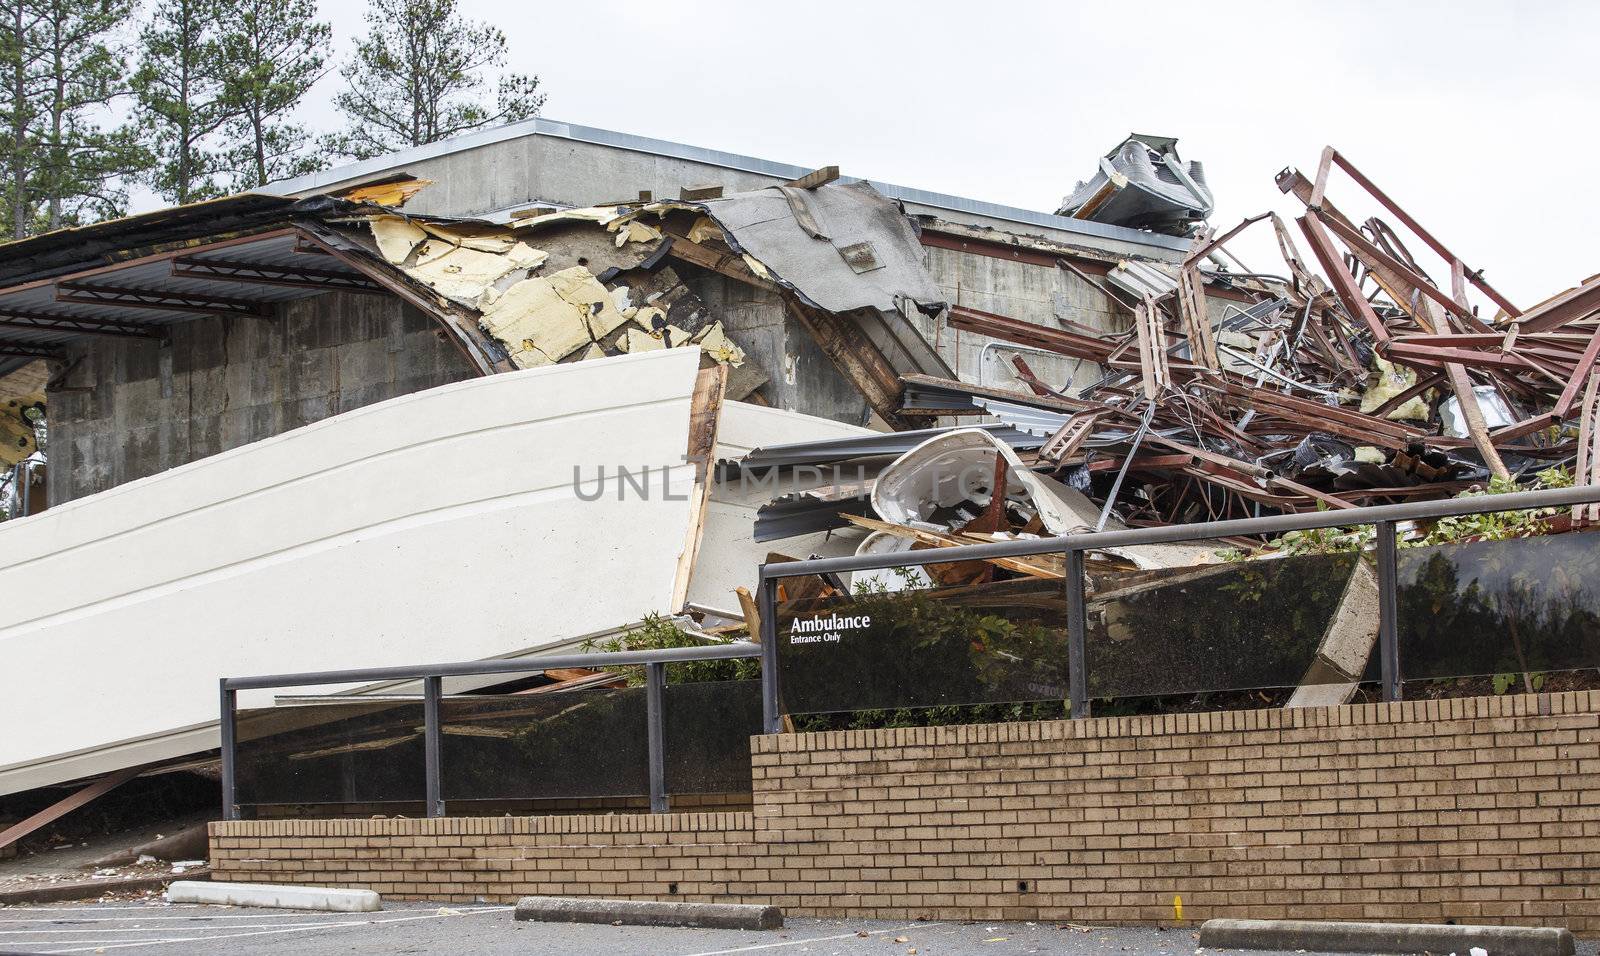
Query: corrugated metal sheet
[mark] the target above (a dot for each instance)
(867, 446)
(41, 298)
(1142, 278)
(800, 514)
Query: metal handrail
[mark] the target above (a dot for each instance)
(526, 665)
(655, 662)
(1167, 534)
(1073, 546)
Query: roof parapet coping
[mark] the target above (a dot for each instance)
(540, 126)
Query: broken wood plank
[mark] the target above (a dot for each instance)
(585, 679)
(752, 616)
(66, 805)
(993, 517)
(1034, 565)
(856, 358)
(705, 411)
(1472, 415)
(729, 264)
(815, 178)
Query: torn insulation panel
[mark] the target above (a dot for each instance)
(567, 286)
(17, 437)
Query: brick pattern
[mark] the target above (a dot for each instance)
(699, 802)
(1478, 809)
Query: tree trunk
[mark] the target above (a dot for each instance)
(58, 109)
(19, 133)
(258, 124)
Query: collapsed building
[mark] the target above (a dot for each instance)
(400, 411)
(186, 358)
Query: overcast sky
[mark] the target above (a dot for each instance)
(1479, 118)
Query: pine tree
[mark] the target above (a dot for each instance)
(19, 150)
(272, 52)
(419, 77)
(83, 164)
(180, 84)
(62, 68)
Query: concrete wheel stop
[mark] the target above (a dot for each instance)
(560, 909)
(327, 898)
(1436, 938)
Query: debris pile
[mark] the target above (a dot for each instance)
(1352, 378)
(569, 285)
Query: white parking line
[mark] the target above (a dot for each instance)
(187, 919)
(168, 929)
(89, 947)
(813, 939)
(92, 908)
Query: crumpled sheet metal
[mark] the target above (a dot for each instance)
(841, 248)
(1143, 186)
(868, 256)
(948, 468)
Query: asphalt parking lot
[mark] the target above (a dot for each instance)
(429, 928)
(161, 928)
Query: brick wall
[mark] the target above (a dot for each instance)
(1479, 809)
(697, 802)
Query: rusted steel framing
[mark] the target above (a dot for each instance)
(160, 300)
(1332, 157)
(25, 319)
(291, 277)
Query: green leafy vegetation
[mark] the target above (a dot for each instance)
(658, 632)
(1490, 526)
(418, 76)
(197, 98)
(1500, 525)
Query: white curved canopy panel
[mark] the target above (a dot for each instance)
(440, 526)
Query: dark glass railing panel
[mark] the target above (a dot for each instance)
(974, 644)
(343, 752)
(708, 726)
(568, 745)
(1526, 605)
(1235, 626)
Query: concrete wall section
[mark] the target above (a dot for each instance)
(132, 408)
(440, 526)
(1043, 295)
(1483, 810)
(534, 169)
(800, 377)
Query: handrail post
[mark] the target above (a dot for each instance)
(1388, 598)
(1077, 631)
(432, 740)
(655, 688)
(227, 725)
(771, 720)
